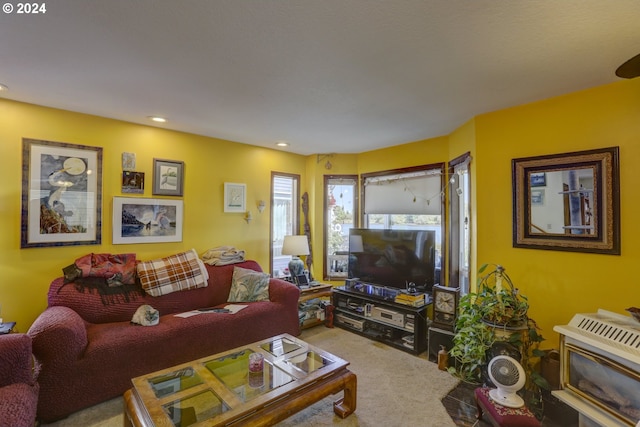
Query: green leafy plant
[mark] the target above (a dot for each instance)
(496, 313)
(499, 301)
(471, 342)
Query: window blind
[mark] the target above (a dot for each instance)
(412, 193)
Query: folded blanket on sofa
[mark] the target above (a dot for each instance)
(113, 276)
(223, 255)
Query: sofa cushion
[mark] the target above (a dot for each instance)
(177, 272)
(248, 285)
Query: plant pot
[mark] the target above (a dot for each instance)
(503, 332)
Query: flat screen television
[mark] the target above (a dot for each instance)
(393, 258)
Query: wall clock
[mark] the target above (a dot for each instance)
(445, 307)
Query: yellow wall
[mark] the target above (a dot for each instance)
(425, 152)
(560, 284)
(26, 273)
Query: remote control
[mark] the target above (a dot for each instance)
(214, 310)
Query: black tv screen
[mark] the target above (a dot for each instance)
(393, 258)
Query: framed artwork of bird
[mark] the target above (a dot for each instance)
(61, 194)
(168, 177)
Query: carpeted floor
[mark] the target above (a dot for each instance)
(394, 389)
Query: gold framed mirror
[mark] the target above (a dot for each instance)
(568, 202)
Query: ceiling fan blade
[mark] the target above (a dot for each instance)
(629, 69)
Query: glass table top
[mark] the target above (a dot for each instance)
(175, 381)
(195, 408)
(308, 362)
(280, 346)
(233, 371)
(284, 360)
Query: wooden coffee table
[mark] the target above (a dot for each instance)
(219, 390)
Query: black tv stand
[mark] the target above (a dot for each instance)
(370, 311)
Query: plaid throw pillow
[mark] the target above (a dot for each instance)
(178, 272)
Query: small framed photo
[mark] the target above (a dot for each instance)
(302, 280)
(133, 182)
(128, 161)
(168, 177)
(142, 220)
(537, 197)
(235, 197)
(538, 179)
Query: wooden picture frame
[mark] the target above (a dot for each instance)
(142, 220)
(235, 197)
(61, 194)
(168, 177)
(579, 210)
(133, 182)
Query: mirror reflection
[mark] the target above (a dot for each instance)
(568, 201)
(562, 202)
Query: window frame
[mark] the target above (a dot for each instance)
(325, 205)
(457, 224)
(295, 199)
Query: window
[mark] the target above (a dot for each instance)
(284, 217)
(340, 207)
(460, 223)
(405, 199)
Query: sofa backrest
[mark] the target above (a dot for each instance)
(96, 308)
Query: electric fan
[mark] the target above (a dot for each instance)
(508, 375)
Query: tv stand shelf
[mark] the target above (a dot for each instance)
(398, 325)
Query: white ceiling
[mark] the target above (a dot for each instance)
(327, 76)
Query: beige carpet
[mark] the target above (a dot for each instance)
(394, 389)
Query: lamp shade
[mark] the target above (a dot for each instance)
(295, 245)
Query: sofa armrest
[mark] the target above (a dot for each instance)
(283, 292)
(15, 359)
(59, 334)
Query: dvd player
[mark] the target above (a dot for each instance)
(349, 321)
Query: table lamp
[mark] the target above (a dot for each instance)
(295, 246)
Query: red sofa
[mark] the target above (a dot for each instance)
(89, 351)
(18, 386)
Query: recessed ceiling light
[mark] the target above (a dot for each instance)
(3, 88)
(282, 144)
(157, 119)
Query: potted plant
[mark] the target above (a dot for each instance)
(488, 319)
(499, 301)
